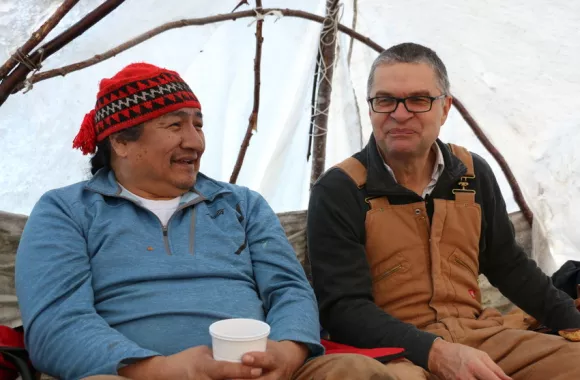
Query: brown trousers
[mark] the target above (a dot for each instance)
(357, 367)
(522, 354)
(337, 367)
(340, 367)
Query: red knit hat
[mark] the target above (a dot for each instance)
(138, 93)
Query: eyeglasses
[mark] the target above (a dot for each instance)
(415, 104)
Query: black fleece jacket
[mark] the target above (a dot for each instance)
(341, 274)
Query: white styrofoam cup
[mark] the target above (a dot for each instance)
(232, 338)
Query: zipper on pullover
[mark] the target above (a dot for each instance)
(165, 238)
(192, 229)
(164, 229)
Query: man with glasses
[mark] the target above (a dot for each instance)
(399, 233)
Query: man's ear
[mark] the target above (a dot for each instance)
(446, 107)
(119, 146)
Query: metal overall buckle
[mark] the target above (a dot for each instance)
(464, 182)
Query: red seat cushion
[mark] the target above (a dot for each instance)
(382, 354)
(13, 339)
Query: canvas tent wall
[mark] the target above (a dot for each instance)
(514, 70)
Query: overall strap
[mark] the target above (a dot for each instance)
(358, 174)
(355, 170)
(462, 193)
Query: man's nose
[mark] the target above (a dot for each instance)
(400, 113)
(193, 138)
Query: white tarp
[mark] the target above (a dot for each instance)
(513, 64)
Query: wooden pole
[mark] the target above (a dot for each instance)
(37, 37)
(518, 196)
(253, 120)
(21, 71)
(14, 82)
(327, 48)
(64, 70)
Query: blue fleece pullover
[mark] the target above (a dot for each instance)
(101, 283)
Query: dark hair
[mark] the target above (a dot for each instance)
(102, 158)
(409, 52)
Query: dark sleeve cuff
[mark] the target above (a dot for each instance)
(418, 353)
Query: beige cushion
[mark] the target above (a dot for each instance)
(11, 226)
(294, 224)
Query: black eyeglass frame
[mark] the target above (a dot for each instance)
(404, 101)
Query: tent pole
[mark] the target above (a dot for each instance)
(275, 12)
(18, 75)
(253, 120)
(518, 196)
(21, 54)
(327, 48)
(14, 81)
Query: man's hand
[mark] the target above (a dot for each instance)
(194, 363)
(451, 361)
(280, 361)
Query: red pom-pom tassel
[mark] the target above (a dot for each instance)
(86, 139)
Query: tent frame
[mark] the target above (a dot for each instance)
(14, 73)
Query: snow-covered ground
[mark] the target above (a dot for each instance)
(513, 64)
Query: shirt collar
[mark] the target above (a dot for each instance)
(437, 168)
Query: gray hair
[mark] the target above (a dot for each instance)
(411, 53)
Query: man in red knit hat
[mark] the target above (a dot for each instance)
(123, 274)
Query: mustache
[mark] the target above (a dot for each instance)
(190, 155)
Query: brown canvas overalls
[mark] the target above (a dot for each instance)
(425, 273)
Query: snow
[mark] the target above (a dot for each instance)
(513, 64)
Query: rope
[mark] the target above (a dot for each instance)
(329, 28)
(262, 16)
(26, 61)
(31, 66)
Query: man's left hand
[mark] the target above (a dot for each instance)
(280, 361)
